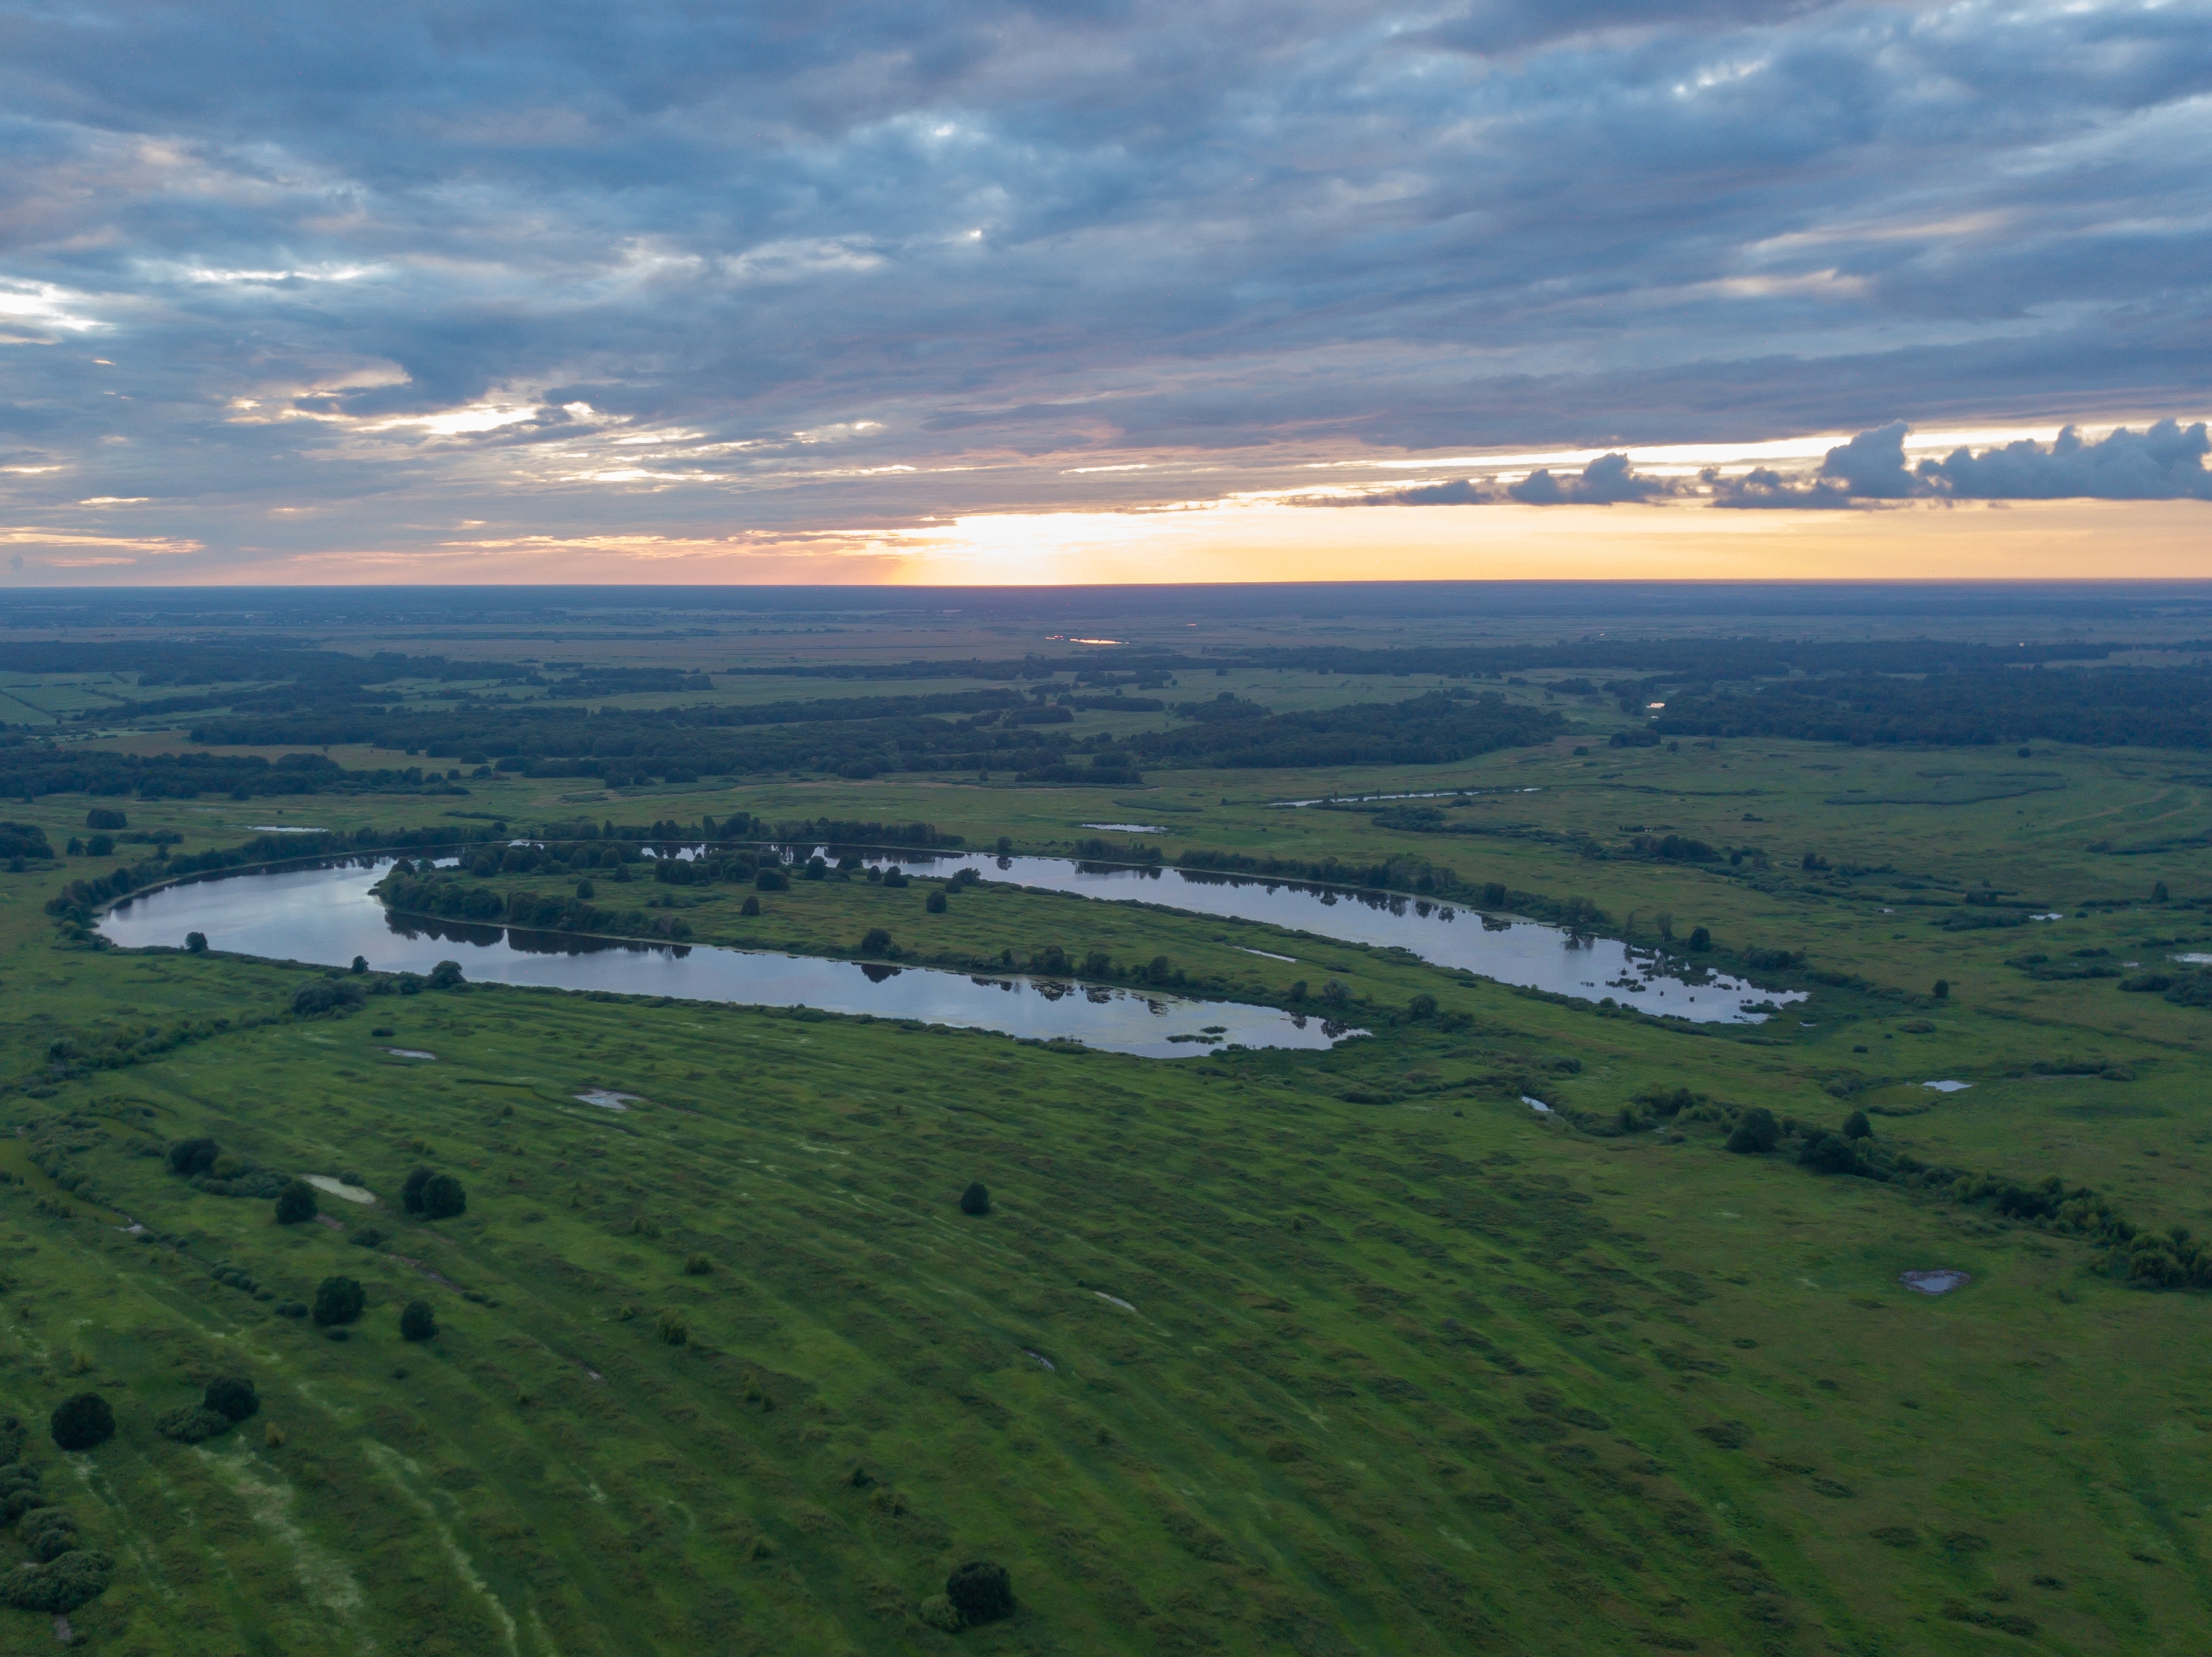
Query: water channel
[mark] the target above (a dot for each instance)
(327, 915)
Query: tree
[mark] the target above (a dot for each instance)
(233, 1396)
(361, 963)
(934, 903)
(876, 940)
(417, 1322)
(443, 1197)
(976, 1199)
(1855, 1126)
(1422, 1006)
(195, 943)
(191, 1157)
(1942, 991)
(411, 1188)
(339, 1301)
(1756, 1132)
(445, 975)
(980, 1591)
(295, 1203)
(1701, 940)
(82, 1421)
(750, 906)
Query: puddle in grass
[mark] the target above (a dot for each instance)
(607, 1099)
(339, 1188)
(326, 915)
(1935, 1283)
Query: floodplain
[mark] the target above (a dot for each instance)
(1345, 1350)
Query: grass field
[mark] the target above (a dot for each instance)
(1260, 1352)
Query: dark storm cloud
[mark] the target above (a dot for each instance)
(796, 247)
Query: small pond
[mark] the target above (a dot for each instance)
(326, 915)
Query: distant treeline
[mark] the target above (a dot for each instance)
(1427, 730)
(999, 731)
(1733, 657)
(2168, 707)
(31, 769)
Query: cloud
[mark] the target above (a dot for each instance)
(1872, 464)
(1456, 492)
(1606, 481)
(2166, 463)
(1069, 258)
(1763, 489)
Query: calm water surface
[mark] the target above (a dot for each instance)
(1524, 952)
(328, 916)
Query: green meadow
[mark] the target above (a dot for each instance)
(1256, 1351)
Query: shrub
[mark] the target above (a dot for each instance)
(290, 1309)
(1701, 939)
(937, 1611)
(771, 880)
(980, 1591)
(1855, 1126)
(190, 1423)
(360, 963)
(339, 1301)
(82, 1421)
(233, 1396)
(1942, 989)
(443, 1197)
(417, 1322)
(411, 1188)
(698, 1266)
(324, 995)
(673, 1329)
(196, 942)
(750, 906)
(50, 1532)
(61, 1586)
(1756, 1132)
(876, 940)
(1829, 1153)
(190, 1156)
(99, 817)
(976, 1199)
(296, 1203)
(445, 975)
(1422, 1006)
(934, 903)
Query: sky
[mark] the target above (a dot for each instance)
(1103, 290)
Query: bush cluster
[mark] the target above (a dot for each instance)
(432, 1195)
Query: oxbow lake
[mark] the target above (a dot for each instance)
(326, 916)
(1511, 950)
